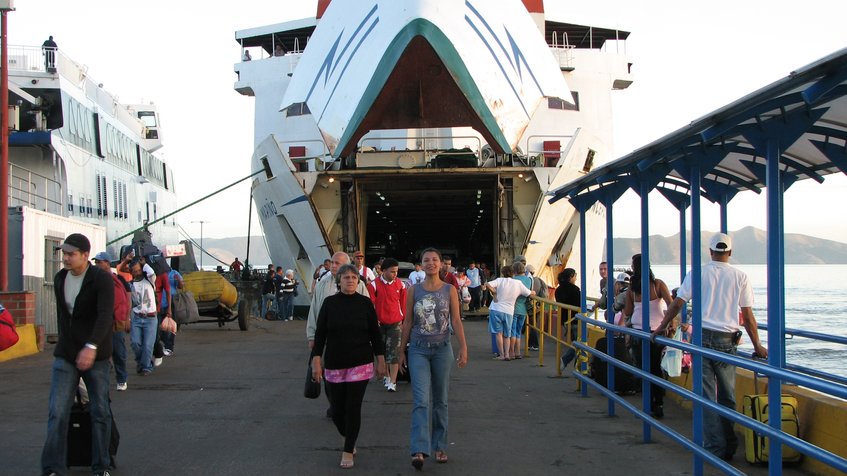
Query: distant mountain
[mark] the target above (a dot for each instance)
(749, 247)
(227, 249)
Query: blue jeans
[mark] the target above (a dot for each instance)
(142, 336)
(267, 304)
(119, 355)
(288, 305)
(63, 387)
(429, 367)
(719, 386)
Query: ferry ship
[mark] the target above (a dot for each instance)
(80, 160)
(391, 126)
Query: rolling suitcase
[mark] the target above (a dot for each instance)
(756, 448)
(79, 436)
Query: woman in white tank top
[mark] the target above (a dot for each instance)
(660, 298)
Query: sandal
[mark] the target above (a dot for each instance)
(440, 457)
(346, 463)
(418, 461)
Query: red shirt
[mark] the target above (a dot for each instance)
(389, 300)
(162, 283)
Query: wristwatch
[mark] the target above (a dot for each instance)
(91, 346)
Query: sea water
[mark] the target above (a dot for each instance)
(815, 300)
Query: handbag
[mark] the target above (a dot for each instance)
(672, 357)
(313, 388)
(8, 330)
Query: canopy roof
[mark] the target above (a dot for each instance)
(804, 114)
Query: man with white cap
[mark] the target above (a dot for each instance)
(724, 290)
(84, 304)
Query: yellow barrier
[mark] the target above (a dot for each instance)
(27, 345)
(545, 317)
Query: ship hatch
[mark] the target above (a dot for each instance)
(420, 93)
(454, 214)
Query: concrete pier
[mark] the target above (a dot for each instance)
(231, 403)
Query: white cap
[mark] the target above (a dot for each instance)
(622, 278)
(721, 242)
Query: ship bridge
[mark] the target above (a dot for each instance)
(794, 129)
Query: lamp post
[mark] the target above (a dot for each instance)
(201, 241)
(5, 7)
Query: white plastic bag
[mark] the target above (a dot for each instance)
(672, 357)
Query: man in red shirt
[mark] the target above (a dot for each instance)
(389, 297)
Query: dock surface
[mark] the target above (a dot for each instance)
(231, 403)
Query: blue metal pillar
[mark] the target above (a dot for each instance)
(696, 314)
(644, 192)
(724, 200)
(610, 337)
(583, 281)
(776, 298)
(683, 261)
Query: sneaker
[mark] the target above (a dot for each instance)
(533, 348)
(157, 361)
(392, 387)
(386, 382)
(102, 473)
(121, 386)
(168, 352)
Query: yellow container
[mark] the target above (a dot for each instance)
(211, 286)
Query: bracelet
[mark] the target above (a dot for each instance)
(91, 346)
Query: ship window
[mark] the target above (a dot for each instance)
(71, 203)
(115, 197)
(81, 206)
(297, 109)
(148, 118)
(268, 172)
(105, 196)
(90, 209)
(99, 198)
(52, 258)
(556, 103)
(589, 161)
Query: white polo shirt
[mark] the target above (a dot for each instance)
(725, 291)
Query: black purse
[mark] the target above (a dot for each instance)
(313, 388)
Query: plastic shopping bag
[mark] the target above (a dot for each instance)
(672, 357)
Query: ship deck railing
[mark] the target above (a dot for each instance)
(33, 190)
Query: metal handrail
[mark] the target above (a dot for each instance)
(813, 383)
(809, 334)
(478, 152)
(23, 183)
(545, 318)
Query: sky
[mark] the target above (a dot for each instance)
(689, 58)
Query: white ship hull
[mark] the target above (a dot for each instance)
(411, 124)
(80, 161)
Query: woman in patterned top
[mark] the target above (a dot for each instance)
(432, 312)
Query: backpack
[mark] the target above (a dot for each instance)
(8, 331)
(121, 308)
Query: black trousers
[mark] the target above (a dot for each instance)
(657, 393)
(346, 402)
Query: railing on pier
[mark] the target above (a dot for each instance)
(814, 383)
(544, 316)
(27, 188)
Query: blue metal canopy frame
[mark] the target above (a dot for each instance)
(793, 129)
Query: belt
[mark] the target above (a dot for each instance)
(147, 314)
(420, 343)
(718, 333)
